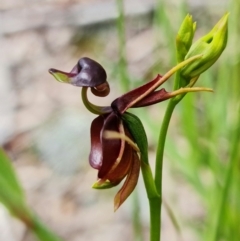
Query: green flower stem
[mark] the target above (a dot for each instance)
(158, 168)
(98, 110)
(149, 181)
(154, 186)
(159, 155)
(154, 201)
(161, 144)
(155, 218)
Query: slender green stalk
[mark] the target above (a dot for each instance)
(155, 218)
(98, 110)
(154, 201)
(160, 151)
(161, 144)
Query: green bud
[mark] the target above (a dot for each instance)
(184, 37)
(210, 46)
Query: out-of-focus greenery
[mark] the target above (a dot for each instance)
(12, 196)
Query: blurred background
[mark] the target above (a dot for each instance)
(44, 126)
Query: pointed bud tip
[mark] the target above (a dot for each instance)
(225, 17)
(185, 37)
(222, 23)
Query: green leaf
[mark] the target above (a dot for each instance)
(136, 128)
(11, 193)
(13, 198)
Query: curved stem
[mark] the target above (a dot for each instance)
(161, 144)
(98, 110)
(159, 156)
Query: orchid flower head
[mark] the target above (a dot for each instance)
(117, 157)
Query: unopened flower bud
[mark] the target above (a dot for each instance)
(210, 46)
(184, 37)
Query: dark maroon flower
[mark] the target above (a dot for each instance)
(114, 158)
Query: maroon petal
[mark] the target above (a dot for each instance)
(110, 147)
(154, 97)
(95, 157)
(122, 168)
(121, 104)
(129, 184)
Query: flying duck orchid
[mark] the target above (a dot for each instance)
(113, 150)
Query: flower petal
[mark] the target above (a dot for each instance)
(95, 157)
(121, 170)
(110, 147)
(155, 97)
(121, 104)
(129, 184)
